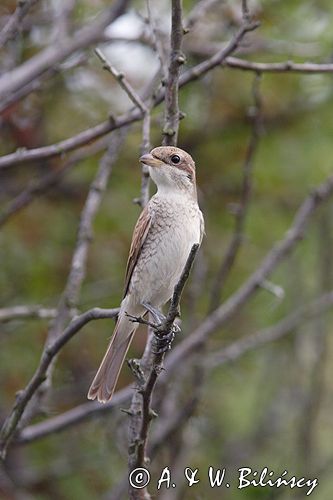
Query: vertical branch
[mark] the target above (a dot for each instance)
(147, 372)
(240, 217)
(171, 122)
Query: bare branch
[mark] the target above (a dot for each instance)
(279, 251)
(49, 353)
(177, 58)
(245, 11)
(123, 82)
(37, 83)
(152, 366)
(17, 78)
(280, 67)
(24, 312)
(141, 105)
(272, 333)
(72, 417)
(68, 299)
(229, 353)
(42, 185)
(11, 28)
(76, 275)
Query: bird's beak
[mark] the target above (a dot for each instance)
(150, 160)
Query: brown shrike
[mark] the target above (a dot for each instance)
(164, 234)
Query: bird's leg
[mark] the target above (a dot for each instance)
(156, 313)
(159, 317)
(164, 340)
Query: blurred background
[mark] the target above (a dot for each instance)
(271, 407)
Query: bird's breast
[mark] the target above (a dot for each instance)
(175, 228)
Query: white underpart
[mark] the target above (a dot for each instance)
(176, 226)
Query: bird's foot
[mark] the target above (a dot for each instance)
(157, 315)
(163, 341)
(140, 320)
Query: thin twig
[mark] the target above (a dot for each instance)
(140, 423)
(13, 24)
(123, 82)
(279, 251)
(222, 57)
(279, 67)
(49, 353)
(288, 324)
(242, 208)
(144, 108)
(41, 186)
(229, 353)
(220, 316)
(37, 83)
(177, 58)
(69, 298)
(14, 80)
(24, 312)
(245, 12)
(72, 417)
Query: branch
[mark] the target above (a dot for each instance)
(70, 296)
(68, 299)
(23, 156)
(241, 211)
(37, 83)
(49, 353)
(72, 417)
(228, 354)
(123, 82)
(43, 184)
(141, 105)
(220, 58)
(17, 78)
(279, 67)
(177, 58)
(235, 350)
(152, 366)
(13, 25)
(23, 312)
(279, 251)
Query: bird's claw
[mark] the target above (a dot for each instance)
(164, 341)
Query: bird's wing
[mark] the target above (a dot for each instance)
(139, 236)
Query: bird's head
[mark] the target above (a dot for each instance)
(171, 169)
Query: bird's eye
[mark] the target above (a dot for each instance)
(175, 159)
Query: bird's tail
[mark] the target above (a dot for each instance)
(107, 375)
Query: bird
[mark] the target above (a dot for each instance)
(167, 228)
